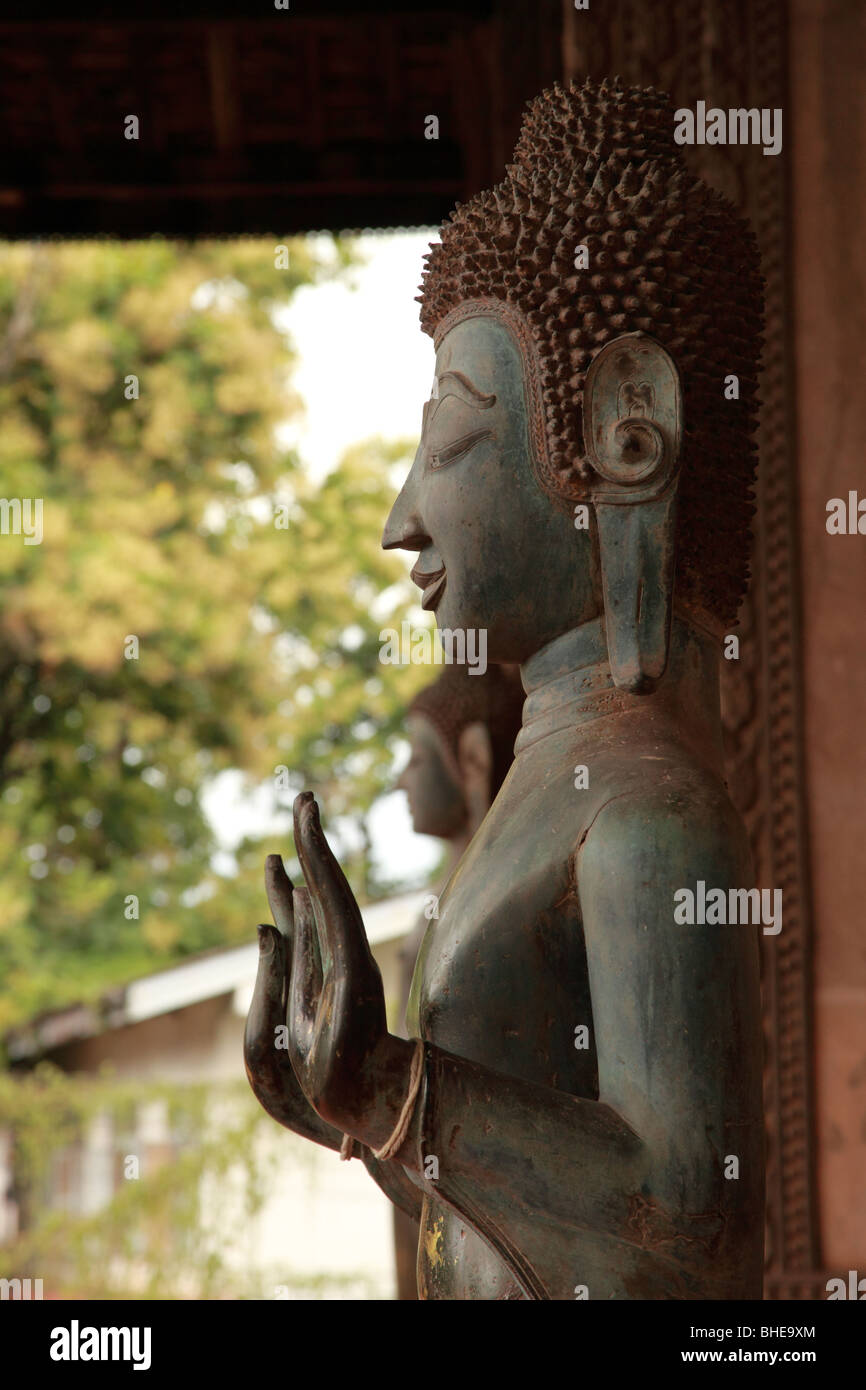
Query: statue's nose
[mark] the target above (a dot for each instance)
(404, 529)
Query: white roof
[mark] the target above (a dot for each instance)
(232, 971)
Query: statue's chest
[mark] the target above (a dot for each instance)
(502, 979)
(502, 975)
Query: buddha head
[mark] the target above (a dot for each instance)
(587, 449)
(461, 732)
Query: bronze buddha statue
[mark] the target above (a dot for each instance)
(578, 1112)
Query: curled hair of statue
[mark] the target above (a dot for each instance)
(599, 229)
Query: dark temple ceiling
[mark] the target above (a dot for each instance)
(253, 119)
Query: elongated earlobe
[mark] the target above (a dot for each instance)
(633, 422)
(637, 575)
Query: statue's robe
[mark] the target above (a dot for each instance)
(631, 1167)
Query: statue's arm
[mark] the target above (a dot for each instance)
(635, 1180)
(395, 1182)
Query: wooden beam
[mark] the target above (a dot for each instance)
(225, 106)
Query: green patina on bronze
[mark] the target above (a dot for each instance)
(632, 1166)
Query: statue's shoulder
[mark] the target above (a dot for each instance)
(662, 818)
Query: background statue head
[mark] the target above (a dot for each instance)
(462, 730)
(590, 314)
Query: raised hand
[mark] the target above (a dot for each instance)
(266, 1055)
(351, 1069)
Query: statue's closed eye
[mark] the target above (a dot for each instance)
(452, 452)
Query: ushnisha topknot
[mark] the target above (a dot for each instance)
(596, 166)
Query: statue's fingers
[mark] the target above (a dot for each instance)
(267, 1044)
(267, 1011)
(279, 889)
(338, 915)
(303, 908)
(306, 983)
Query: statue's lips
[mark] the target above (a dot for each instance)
(432, 584)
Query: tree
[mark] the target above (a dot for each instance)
(194, 604)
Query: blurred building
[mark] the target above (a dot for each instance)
(325, 1229)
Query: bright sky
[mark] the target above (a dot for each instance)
(365, 368)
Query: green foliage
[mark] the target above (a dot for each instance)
(257, 646)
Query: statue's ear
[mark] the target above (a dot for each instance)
(633, 416)
(475, 759)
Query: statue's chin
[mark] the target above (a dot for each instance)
(498, 635)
